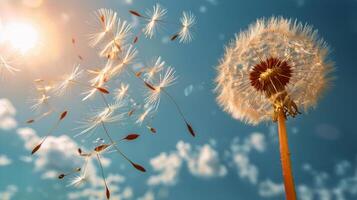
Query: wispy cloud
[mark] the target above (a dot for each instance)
(4, 160)
(240, 151)
(9, 192)
(201, 161)
(7, 114)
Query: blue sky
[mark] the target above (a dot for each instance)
(228, 159)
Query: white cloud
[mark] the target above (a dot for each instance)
(203, 161)
(59, 154)
(6, 108)
(342, 167)
(167, 166)
(257, 141)
(7, 113)
(245, 169)
(7, 123)
(4, 160)
(9, 192)
(149, 195)
(240, 151)
(268, 189)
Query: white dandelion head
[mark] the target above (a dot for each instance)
(109, 114)
(77, 181)
(69, 80)
(165, 80)
(121, 92)
(118, 41)
(155, 68)
(5, 64)
(154, 16)
(274, 61)
(188, 20)
(143, 116)
(105, 20)
(40, 102)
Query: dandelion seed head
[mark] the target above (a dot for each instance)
(154, 16)
(126, 59)
(188, 20)
(154, 69)
(166, 79)
(108, 114)
(38, 103)
(118, 41)
(122, 92)
(69, 80)
(145, 114)
(105, 20)
(78, 181)
(5, 63)
(274, 59)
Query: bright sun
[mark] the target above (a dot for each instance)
(21, 36)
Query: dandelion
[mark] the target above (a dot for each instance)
(99, 81)
(69, 80)
(107, 115)
(165, 80)
(188, 20)
(154, 16)
(154, 93)
(144, 115)
(54, 127)
(42, 100)
(5, 64)
(77, 181)
(122, 92)
(272, 71)
(105, 20)
(119, 40)
(126, 59)
(154, 69)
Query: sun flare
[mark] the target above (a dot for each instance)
(21, 36)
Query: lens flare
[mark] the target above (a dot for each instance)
(21, 36)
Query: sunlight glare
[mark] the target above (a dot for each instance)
(21, 36)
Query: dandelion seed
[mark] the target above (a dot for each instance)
(130, 137)
(5, 64)
(105, 21)
(77, 181)
(154, 16)
(119, 40)
(101, 148)
(69, 80)
(121, 92)
(125, 60)
(165, 80)
(107, 192)
(152, 129)
(144, 115)
(39, 102)
(270, 72)
(154, 69)
(187, 21)
(133, 12)
(99, 81)
(106, 115)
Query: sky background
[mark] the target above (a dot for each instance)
(228, 159)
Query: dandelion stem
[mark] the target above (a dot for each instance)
(285, 157)
(114, 144)
(103, 176)
(176, 105)
(105, 101)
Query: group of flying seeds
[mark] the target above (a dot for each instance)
(115, 40)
